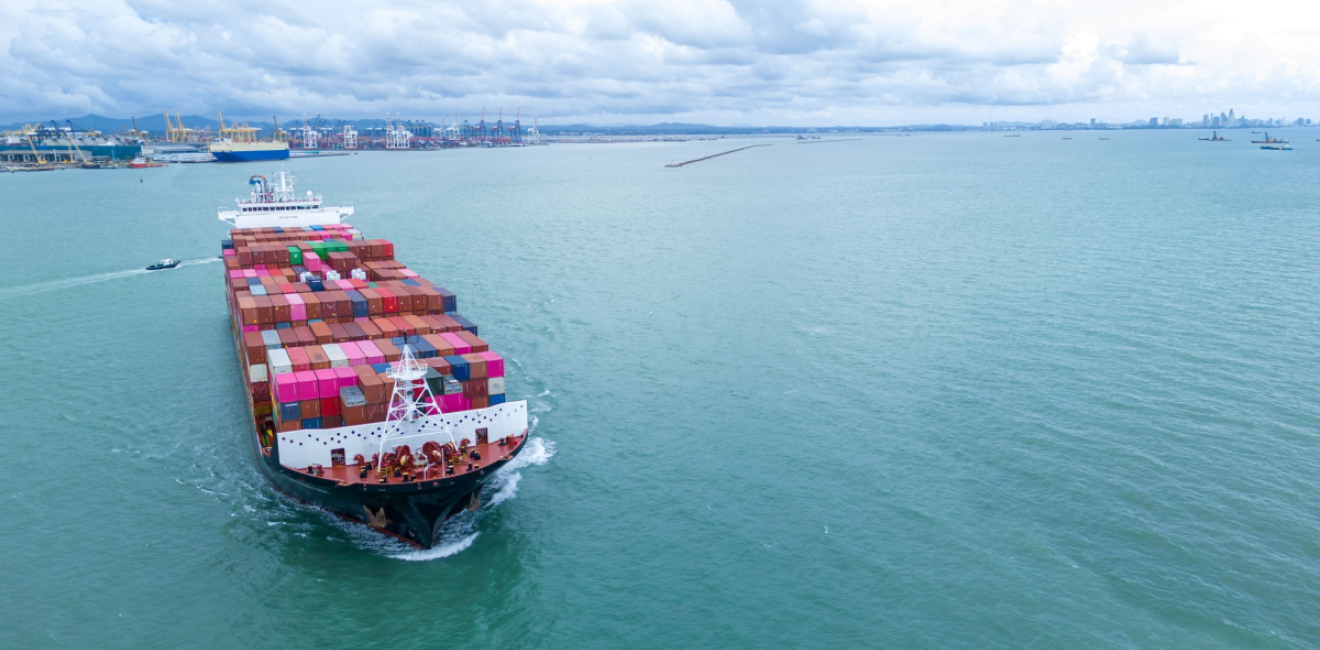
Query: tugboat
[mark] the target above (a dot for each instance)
(1269, 140)
(1214, 138)
(163, 264)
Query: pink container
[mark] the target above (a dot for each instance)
(346, 376)
(494, 364)
(306, 384)
(286, 387)
(312, 262)
(251, 328)
(236, 273)
(327, 383)
(372, 353)
(229, 252)
(358, 284)
(298, 357)
(344, 285)
(460, 346)
(249, 273)
(297, 308)
(259, 267)
(354, 353)
(408, 273)
(455, 402)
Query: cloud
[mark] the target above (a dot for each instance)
(721, 61)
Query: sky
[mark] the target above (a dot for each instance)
(723, 62)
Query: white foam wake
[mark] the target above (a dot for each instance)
(69, 283)
(505, 483)
(434, 553)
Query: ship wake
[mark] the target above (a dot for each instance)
(69, 283)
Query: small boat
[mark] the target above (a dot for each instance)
(1104, 138)
(1067, 138)
(143, 163)
(1015, 135)
(163, 264)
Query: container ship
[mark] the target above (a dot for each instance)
(249, 151)
(370, 395)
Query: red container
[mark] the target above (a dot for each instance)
(329, 406)
(298, 358)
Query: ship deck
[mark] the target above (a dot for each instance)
(491, 454)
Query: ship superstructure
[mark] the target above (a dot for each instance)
(275, 201)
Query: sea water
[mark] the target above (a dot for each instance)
(944, 391)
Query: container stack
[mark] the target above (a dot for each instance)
(321, 314)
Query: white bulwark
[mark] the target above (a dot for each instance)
(274, 204)
(304, 447)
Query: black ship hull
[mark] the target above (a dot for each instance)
(413, 512)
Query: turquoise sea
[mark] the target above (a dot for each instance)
(939, 391)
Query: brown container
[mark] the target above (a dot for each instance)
(310, 408)
(316, 356)
(387, 328)
(280, 306)
(373, 389)
(475, 388)
(288, 337)
(329, 305)
(386, 348)
(375, 306)
(322, 333)
(450, 325)
(421, 326)
(377, 412)
(265, 313)
(480, 402)
(285, 427)
(404, 294)
(331, 421)
(477, 344)
(343, 305)
(254, 347)
(369, 329)
(434, 302)
(313, 303)
(245, 256)
(354, 330)
(443, 348)
(476, 365)
(354, 415)
(247, 310)
(440, 364)
(338, 333)
(305, 336)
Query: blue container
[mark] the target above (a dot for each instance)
(380, 367)
(412, 282)
(317, 228)
(460, 368)
(314, 320)
(270, 338)
(283, 326)
(299, 270)
(409, 346)
(278, 230)
(359, 304)
(465, 324)
(311, 423)
(289, 412)
(252, 281)
(257, 290)
(315, 284)
(448, 300)
(227, 244)
(497, 399)
(424, 350)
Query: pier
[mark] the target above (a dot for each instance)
(716, 155)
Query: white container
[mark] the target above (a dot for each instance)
(495, 386)
(279, 362)
(257, 372)
(336, 355)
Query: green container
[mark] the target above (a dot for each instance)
(295, 256)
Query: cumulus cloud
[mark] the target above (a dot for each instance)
(718, 61)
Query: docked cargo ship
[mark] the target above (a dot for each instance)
(249, 151)
(370, 395)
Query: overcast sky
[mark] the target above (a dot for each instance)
(729, 62)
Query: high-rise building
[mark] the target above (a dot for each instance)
(1232, 121)
(1154, 121)
(1205, 120)
(1093, 122)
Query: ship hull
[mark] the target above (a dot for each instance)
(412, 512)
(250, 156)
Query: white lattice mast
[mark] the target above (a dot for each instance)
(410, 400)
(310, 138)
(350, 137)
